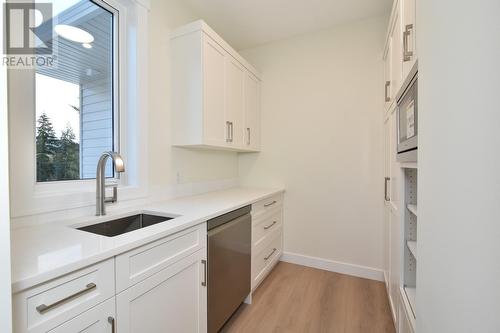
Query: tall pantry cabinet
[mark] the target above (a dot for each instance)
(400, 56)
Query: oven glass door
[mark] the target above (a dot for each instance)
(408, 119)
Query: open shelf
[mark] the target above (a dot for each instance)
(409, 165)
(412, 246)
(411, 295)
(412, 209)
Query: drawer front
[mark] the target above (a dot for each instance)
(264, 260)
(46, 306)
(264, 225)
(138, 264)
(98, 319)
(266, 205)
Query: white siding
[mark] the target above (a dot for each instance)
(96, 125)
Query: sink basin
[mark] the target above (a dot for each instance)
(125, 224)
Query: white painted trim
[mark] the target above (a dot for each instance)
(391, 305)
(5, 263)
(334, 266)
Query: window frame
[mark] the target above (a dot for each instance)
(115, 87)
(30, 197)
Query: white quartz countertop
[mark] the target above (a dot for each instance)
(43, 252)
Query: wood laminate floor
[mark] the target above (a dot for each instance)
(301, 299)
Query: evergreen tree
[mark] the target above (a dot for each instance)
(46, 145)
(67, 159)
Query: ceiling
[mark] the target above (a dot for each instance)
(248, 23)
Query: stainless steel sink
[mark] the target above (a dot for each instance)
(125, 224)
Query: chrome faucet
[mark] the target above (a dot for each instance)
(101, 180)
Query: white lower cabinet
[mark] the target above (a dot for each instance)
(267, 237)
(157, 287)
(392, 223)
(172, 300)
(99, 319)
(46, 306)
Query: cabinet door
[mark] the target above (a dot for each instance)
(213, 93)
(234, 102)
(396, 53)
(394, 168)
(99, 319)
(252, 112)
(409, 35)
(172, 300)
(387, 204)
(387, 74)
(395, 262)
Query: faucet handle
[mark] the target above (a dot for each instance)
(114, 198)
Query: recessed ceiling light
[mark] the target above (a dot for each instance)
(73, 34)
(87, 45)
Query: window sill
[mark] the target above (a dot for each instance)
(51, 201)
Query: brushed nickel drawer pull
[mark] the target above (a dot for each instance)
(204, 282)
(111, 320)
(249, 141)
(270, 254)
(407, 54)
(270, 204)
(44, 308)
(228, 131)
(269, 226)
(386, 187)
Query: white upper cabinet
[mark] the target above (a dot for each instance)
(214, 105)
(252, 112)
(401, 48)
(214, 90)
(234, 107)
(396, 54)
(409, 35)
(387, 74)
(393, 58)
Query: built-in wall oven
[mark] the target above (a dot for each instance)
(407, 117)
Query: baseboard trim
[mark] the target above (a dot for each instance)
(334, 266)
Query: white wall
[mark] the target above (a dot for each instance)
(174, 165)
(459, 166)
(322, 140)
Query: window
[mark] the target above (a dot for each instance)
(75, 104)
(115, 109)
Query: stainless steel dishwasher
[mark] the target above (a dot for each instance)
(229, 265)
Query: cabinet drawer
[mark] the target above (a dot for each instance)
(265, 224)
(46, 306)
(140, 263)
(98, 319)
(267, 204)
(264, 260)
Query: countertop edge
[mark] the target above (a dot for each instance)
(23, 284)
